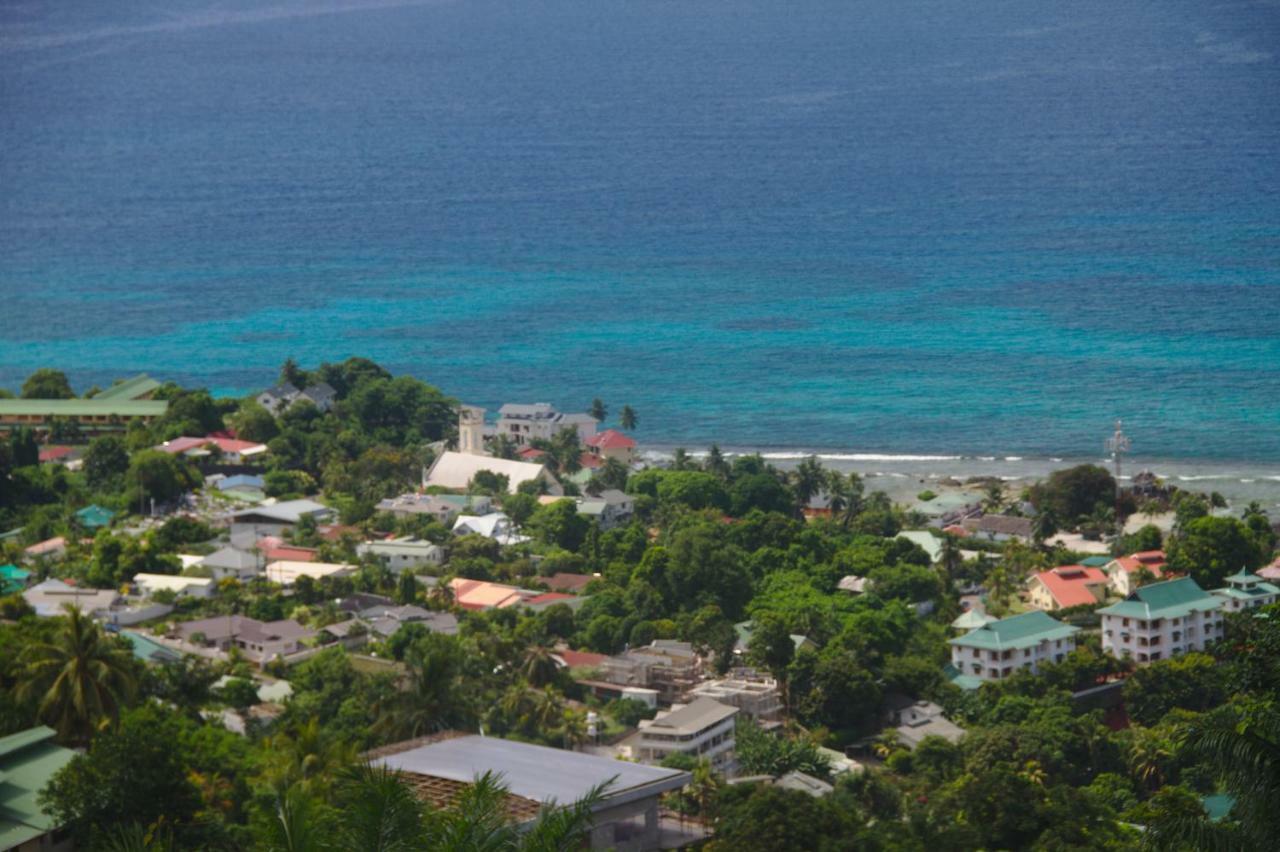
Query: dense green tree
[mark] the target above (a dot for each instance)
(1074, 492)
(761, 818)
(1190, 682)
(252, 422)
(559, 524)
(760, 491)
(160, 476)
(105, 461)
(24, 450)
(47, 383)
(1209, 549)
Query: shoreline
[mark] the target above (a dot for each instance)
(904, 475)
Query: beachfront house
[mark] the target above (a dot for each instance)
(540, 421)
(1162, 620)
(1247, 591)
(612, 444)
(1018, 643)
(1066, 586)
(1123, 572)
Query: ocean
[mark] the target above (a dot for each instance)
(888, 228)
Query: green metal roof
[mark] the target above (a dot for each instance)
(1170, 599)
(138, 386)
(83, 407)
(148, 651)
(1260, 589)
(28, 760)
(1095, 561)
(1018, 631)
(95, 516)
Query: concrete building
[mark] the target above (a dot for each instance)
(756, 697)
(998, 527)
(92, 416)
(913, 720)
(1247, 591)
(28, 761)
(1162, 620)
(232, 562)
(286, 394)
(275, 518)
(471, 430)
(612, 508)
(400, 554)
(537, 778)
(670, 668)
(540, 421)
(495, 526)
(702, 729)
(1018, 643)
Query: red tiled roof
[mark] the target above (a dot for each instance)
(584, 659)
(611, 439)
(530, 453)
(226, 445)
(48, 454)
(563, 582)
(274, 549)
(1152, 560)
(547, 597)
(589, 461)
(956, 530)
(1068, 584)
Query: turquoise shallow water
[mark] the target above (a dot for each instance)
(888, 227)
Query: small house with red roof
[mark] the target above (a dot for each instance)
(612, 444)
(1124, 570)
(1067, 586)
(232, 450)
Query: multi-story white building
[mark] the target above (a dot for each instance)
(702, 729)
(1019, 643)
(525, 423)
(1246, 591)
(1161, 620)
(399, 554)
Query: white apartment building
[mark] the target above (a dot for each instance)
(540, 421)
(1247, 591)
(1019, 643)
(702, 729)
(1161, 620)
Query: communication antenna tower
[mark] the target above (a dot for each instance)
(1118, 444)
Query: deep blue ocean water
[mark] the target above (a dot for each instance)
(883, 226)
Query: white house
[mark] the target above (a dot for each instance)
(195, 587)
(1161, 620)
(401, 553)
(456, 470)
(286, 573)
(704, 728)
(443, 507)
(1002, 648)
(494, 525)
(1247, 591)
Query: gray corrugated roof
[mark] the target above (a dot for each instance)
(534, 772)
(695, 716)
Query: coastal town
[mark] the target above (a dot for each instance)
(225, 618)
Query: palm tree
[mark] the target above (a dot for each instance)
(441, 596)
(807, 479)
(995, 496)
(1149, 756)
(306, 758)
(575, 728)
(598, 409)
(539, 667)
(433, 699)
(1043, 527)
(680, 459)
(703, 787)
(502, 447)
(950, 559)
(300, 824)
(546, 710)
(1243, 751)
(627, 418)
(477, 822)
(715, 462)
(81, 680)
(378, 811)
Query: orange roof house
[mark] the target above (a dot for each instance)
(1067, 586)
